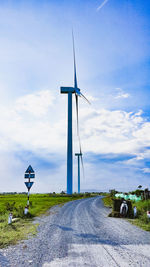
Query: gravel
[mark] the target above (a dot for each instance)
(80, 234)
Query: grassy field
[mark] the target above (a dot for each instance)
(39, 204)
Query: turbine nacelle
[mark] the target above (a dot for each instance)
(78, 154)
(66, 90)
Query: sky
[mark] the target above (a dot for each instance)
(112, 43)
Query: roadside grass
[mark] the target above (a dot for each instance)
(138, 222)
(107, 200)
(142, 220)
(15, 203)
(10, 234)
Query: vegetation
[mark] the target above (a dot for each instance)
(107, 200)
(142, 220)
(15, 203)
(142, 206)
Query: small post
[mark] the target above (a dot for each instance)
(10, 218)
(28, 188)
(28, 197)
(148, 214)
(134, 211)
(26, 210)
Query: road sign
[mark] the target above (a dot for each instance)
(29, 175)
(29, 184)
(29, 169)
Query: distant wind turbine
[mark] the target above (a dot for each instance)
(71, 90)
(79, 155)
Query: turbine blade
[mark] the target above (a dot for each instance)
(75, 74)
(77, 113)
(85, 98)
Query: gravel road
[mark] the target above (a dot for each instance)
(80, 234)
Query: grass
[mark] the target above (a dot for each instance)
(15, 203)
(10, 234)
(142, 221)
(107, 200)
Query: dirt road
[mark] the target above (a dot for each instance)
(80, 234)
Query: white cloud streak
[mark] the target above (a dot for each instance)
(146, 170)
(121, 94)
(104, 3)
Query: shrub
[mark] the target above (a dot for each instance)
(144, 218)
(9, 206)
(2, 218)
(18, 212)
(31, 205)
(87, 194)
(62, 193)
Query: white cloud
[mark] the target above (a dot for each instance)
(102, 131)
(91, 98)
(121, 94)
(102, 4)
(146, 170)
(36, 104)
(105, 131)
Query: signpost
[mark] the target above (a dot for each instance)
(29, 174)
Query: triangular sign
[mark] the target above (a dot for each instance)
(29, 169)
(29, 184)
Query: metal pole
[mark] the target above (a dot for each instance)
(69, 146)
(78, 174)
(28, 197)
(28, 192)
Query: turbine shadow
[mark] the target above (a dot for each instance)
(64, 228)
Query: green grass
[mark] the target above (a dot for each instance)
(10, 234)
(40, 203)
(107, 200)
(142, 206)
(142, 221)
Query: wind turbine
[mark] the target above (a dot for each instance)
(71, 90)
(79, 155)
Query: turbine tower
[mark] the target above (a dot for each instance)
(71, 90)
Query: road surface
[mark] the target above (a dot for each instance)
(80, 234)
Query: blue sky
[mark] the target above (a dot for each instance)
(112, 52)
